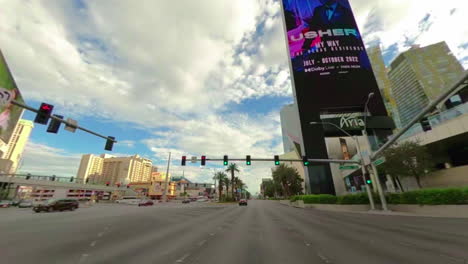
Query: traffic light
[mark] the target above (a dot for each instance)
(43, 115)
(184, 159)
(305, 161)
(225, 160)
(54, 125)
(277, 162)
(367, 178)
(52, 178)
(426, 125)
(109, 143)
(203, 160)
(248, 160)
(71, 179)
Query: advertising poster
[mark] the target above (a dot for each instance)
(9, 113)
(329, 62)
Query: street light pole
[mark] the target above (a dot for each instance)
(374, 168)
(363, 168)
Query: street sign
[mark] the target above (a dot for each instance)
(194, 159)
(349, 167)
(72, 126)
(379, 161)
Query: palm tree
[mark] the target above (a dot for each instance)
(220, 177)
(232, 168)
(227, 182)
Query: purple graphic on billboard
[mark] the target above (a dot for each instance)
(323, 37)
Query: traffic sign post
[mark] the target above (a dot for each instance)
(349, 167)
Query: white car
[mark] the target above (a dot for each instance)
(129, 200)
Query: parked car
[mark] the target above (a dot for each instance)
(25, 204)
(243, 202)
(57, 205)
(145, 203)
(186, 201)
(5, 204)
(15, 202)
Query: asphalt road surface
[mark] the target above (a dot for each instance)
(263, 232)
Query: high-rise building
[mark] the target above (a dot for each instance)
(110, 169)
(290, 128)
(381, 75)
(420, 75)
(126, 170)
(90, 167)
(15, 147)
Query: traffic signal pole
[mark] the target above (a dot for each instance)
(62, 121)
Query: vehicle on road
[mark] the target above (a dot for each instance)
(243, 202)
(145, 203)
(186, 201)
(202, 199)
(57, 205)
(5, 204)
(25, 204)
(129, 200)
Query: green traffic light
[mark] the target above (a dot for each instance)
(369, 181)
(248, 162)
(225, 163)
(276, 162)
(306, 163)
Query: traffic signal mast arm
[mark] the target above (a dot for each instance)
(62, 121)
(292, 160)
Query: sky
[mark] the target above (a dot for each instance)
(188, 77)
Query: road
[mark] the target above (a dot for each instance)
(263, 232)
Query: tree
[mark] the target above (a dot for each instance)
(221, 177)
(232, 168)
(408, 159)
(227, 182)
(289, 180)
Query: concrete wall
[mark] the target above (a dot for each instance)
(453, 177)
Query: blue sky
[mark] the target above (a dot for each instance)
(188, 77)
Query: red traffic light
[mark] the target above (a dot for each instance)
(203, 160)
(46, 107)
(184, 159)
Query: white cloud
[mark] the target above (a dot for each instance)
(41, 159)
(397, 21)
(176, 64)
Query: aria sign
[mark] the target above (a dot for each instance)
(349, 122)
(353, 122)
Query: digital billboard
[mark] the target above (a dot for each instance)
(329, 62)
(9, 113)
(331, 74)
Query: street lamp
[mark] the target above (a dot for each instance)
(363, 168)
(374, 168)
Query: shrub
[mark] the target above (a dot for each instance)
(410, 197)
(393, 198)
(441, 196)
(425, 196)
(360, 198)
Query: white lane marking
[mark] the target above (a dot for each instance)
(93, 243)
(100, 234)
(201, 243)
(212, 234)
(83, 258)
(325, 259)
(182, 258)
